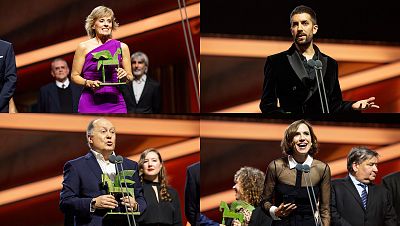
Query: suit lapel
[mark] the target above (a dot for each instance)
(296, 64)
(94, 165)
(352, 189)
(371, 194)
(132, 94)
(145, 89)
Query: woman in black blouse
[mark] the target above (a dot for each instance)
(163, 206)
(286, 196)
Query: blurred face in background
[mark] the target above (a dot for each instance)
(151, 167)
(59, 70)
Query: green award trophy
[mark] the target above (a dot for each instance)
(104, 58)
(232, 211)
(119, 188)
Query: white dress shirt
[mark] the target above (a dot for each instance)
(60, 84)
(106, 166)
(138, 86)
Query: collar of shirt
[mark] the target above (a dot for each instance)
(100, 156)
(60, 84)
(142, 79)
(106, 166)
(356, 182)
(293, 163)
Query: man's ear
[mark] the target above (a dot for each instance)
(315, 29)
(89, 139)
(355, 166)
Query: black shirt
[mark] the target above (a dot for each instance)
(65, 97)
(160, 212)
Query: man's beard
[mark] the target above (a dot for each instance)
(307, 41)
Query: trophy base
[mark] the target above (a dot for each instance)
(112, 83)
(117, 218)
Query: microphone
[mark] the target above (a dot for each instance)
(112, 158)
(311, 63)
(317, 65)
(118, 160)
(307, 170)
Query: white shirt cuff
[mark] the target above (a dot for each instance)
(272, 213)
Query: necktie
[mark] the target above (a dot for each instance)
(63, 86)
(364, 195)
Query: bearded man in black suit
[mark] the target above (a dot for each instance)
(290, 83)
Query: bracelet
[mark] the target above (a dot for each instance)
(85, 83)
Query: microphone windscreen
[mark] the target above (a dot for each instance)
(311, 62)
(306, 168)
(299, 167)
(112, 158)
(119, 159)
(318, 63)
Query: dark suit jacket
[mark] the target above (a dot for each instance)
(8, 74)
(49, 101)
(284, 73)
(192, 193)
(82, 180)
(150, 100)
(347, 209)
(392, 183)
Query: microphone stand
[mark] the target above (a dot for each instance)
(318, 65)
(306, 170)
(120, 160)
(113, 159)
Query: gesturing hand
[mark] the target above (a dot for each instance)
(285, 209)
(365, 104)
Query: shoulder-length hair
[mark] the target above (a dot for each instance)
(252, 183)
(162, 175)
(287, 144)
(99, 12)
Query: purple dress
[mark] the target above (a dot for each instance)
(106, 99)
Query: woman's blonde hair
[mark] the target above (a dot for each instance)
(99, 12)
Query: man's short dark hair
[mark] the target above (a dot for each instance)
(304, 9)
(358, 155)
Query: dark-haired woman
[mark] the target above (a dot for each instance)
(285, 195)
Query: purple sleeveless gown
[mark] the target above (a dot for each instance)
(107, 99)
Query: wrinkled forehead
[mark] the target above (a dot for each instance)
(139, 58)
(58, 63)
(370, 160)
(103, 123)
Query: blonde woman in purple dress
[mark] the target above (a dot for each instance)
(87, 71)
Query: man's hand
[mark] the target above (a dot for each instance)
(130, 202)
(365, 104)
(105, 202)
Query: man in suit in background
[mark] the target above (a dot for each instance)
(290, 84)
(392, 184)
(60, 96)
(143, 94)
(192, 198)
(82, 195)
(8, 74)
(355, 200)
